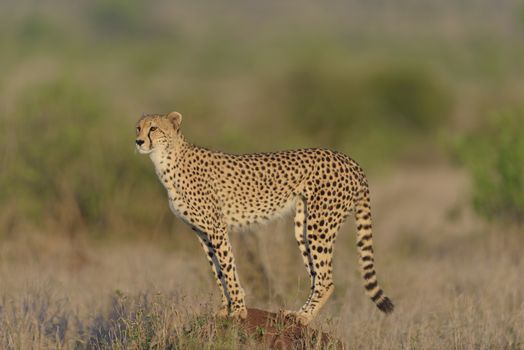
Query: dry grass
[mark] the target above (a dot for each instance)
(456, 283)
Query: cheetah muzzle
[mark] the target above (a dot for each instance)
(215, 192)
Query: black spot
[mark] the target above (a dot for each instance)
(371, 286)
(368, 275)
(368, 267)
(377, 295)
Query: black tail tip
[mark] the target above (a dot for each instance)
(386, 306)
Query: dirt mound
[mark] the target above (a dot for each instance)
(276, 331)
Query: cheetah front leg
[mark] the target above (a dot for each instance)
(217, 271)
(219, 253)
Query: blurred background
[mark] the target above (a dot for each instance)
(382, 82)
(425, 95)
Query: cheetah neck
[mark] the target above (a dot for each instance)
(167, 157)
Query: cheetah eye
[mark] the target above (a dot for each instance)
(137, 129)
(153, 128)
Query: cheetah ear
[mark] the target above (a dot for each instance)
(175, 118)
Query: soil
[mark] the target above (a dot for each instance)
(276, 331)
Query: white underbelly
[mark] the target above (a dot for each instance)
(245, 218)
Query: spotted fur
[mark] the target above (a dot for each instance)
(215, 192)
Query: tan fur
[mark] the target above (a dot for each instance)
(215, 192)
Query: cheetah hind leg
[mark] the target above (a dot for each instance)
(315, 235)
(301, 238)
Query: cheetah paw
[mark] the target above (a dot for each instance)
(223, 312)
(236, 314)
(240, 314)
(297, 316)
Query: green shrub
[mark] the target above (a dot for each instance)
(51, 133)
(71, 162)
(410, 97)
(37, 29)
(119, 17)
(322, 104)
(338, 104)
(495, 159)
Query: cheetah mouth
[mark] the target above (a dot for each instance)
(143, 151)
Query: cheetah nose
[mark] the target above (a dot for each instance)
(139, 142)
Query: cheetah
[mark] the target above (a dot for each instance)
(215, 192)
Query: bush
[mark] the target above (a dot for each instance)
(336, 105)
(37, 29)
(51, 133)
(494, 157)
(72, 164)
(119, 17)
(411, 97)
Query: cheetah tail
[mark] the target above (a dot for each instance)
(365, 249)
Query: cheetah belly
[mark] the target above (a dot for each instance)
(246, 216)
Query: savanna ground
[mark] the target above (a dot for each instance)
(427, 96)
(456, 284)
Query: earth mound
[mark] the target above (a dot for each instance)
(276, 331)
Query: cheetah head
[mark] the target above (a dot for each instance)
(155, 131)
